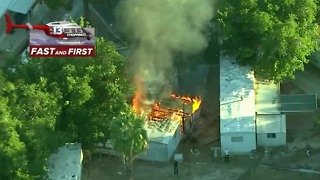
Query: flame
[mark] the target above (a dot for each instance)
(158, 112)
(136, 102)
(138, 96)
(196, 102)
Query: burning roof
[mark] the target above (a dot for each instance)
(170, 108)
(164, 117)
(163, 111)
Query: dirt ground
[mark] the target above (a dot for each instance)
(271, 174)
(194, 167)
(205, 167)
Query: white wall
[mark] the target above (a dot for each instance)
(155, 152)
(244, 147)
(161, 152)
(279, 140)
(173, 144)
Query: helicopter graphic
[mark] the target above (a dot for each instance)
(59, 29)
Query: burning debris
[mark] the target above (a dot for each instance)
(174, 107)
(159, 31)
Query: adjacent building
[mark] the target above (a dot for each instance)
(237, 107)
(250, 110)
(66, 164)
(270, 121)
(17, 6)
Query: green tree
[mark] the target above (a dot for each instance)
(89, 90)
(274, 37)
(37, 109)
(129, 137)
(12, 150)
(65, 100)
(34, 110)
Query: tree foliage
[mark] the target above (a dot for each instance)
(31, 120)
(57, 100)
(12, 150)
(274, 37)
(129, 136)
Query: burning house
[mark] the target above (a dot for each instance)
(168, 116)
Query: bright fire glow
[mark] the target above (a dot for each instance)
(138, 96)
(135, 102)
(158, 112)
(196, 102)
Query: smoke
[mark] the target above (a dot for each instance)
(161, 29)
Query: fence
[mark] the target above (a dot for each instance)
(298, 102)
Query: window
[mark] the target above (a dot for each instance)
(79, 30)
(67, 30)
(74, 30)
(271, 135)
(237, 139)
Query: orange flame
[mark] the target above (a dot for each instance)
(196, 102)
(158, 112)
(136, 102)
(138, 96)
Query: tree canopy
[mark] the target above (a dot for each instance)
(129, 136)
(12, 150)
(274, 37)
(57, 100)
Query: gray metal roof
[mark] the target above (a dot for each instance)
(66, 163)
(298, 102)
(21, 6)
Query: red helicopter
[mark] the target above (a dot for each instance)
(58, 29)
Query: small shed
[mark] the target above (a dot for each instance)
(237, 107)
(164, 138)
(271, 123)
(66, 163)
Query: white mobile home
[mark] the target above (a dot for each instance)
(164, 138)
(271, 130)
(237, 107)
(66, 163)
(271, 123)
